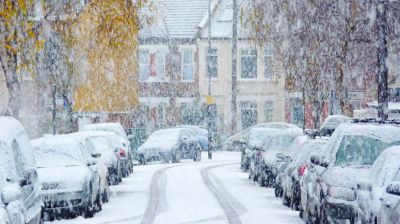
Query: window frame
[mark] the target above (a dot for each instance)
(183, 64)
(249, 54)
(208, 56)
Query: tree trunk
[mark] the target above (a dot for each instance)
(234, 68)
(13, 85)
(382, 53)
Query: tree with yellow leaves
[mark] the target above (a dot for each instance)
(18, 44)
(105, 41)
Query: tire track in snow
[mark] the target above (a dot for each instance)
(157, 199)
(231, 206)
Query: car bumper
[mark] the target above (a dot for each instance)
(339, 209)
(63, 200)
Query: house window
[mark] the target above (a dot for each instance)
(212, 62)
(248, 114)
(187, 65)
(151, 66)
(249, 64)
(144, 65)
(268, 63)
(269, 111)
(161, 112)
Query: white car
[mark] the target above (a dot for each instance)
(170, 145)
(378, 197)
(19, 186)
(69, 177)
(296, 169)
(272, 150)
(117, 129)
(102, 168)
(349, 156)
(110, 156)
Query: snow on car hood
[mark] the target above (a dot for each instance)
(345, 176)
(72, 177)
(161, 145)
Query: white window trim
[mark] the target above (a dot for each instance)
(205, 60)
(239, 76)
(152, 79)
(182, 64)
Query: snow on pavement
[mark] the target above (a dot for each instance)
(213, 192)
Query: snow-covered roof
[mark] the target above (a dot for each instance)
(221, 21)
(175, 19)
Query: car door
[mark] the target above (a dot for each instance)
(27, 178)
(93, 168)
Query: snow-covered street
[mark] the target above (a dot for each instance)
(213, 191)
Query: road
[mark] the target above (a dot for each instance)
(211, 192)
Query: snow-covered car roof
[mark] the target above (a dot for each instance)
(309, 148)
(10, 130)
(334, 121)
(386, 167)
(116, 128)
(58, 150)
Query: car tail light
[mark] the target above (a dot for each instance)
(122, 153)
(302, 169)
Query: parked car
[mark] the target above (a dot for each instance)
(110, 156)
(200, 133)
(69, 177)
(378, 197)
(296, 169)
(234, 143)
(331, 123)
(280, 173)
(20, 190)
(273, 150)
(169, 145)
(118, 130)
(249, 142)
(350, 153)
(118, 144)
(102, 168)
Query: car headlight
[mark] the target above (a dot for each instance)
(344, 193)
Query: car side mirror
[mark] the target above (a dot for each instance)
(364, 186)
(116, 149)
(319, 161)
(96, 155)
(280, 157)
(91, 162)
(29, 176)
(10, 193)
(393, 188)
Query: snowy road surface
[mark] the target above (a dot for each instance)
(212, 192)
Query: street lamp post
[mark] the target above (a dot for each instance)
(209, 118)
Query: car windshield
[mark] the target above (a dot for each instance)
(167, 135)
(100, 143)
(58, 156)
(360, 150)
(278, 142)
(256, 136)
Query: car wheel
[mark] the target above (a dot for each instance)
(105, 195)
(286, 200)
(98, 203)
(89, 209)
(261, 180)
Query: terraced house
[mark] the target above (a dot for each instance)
(260, 93)
(169, 64)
